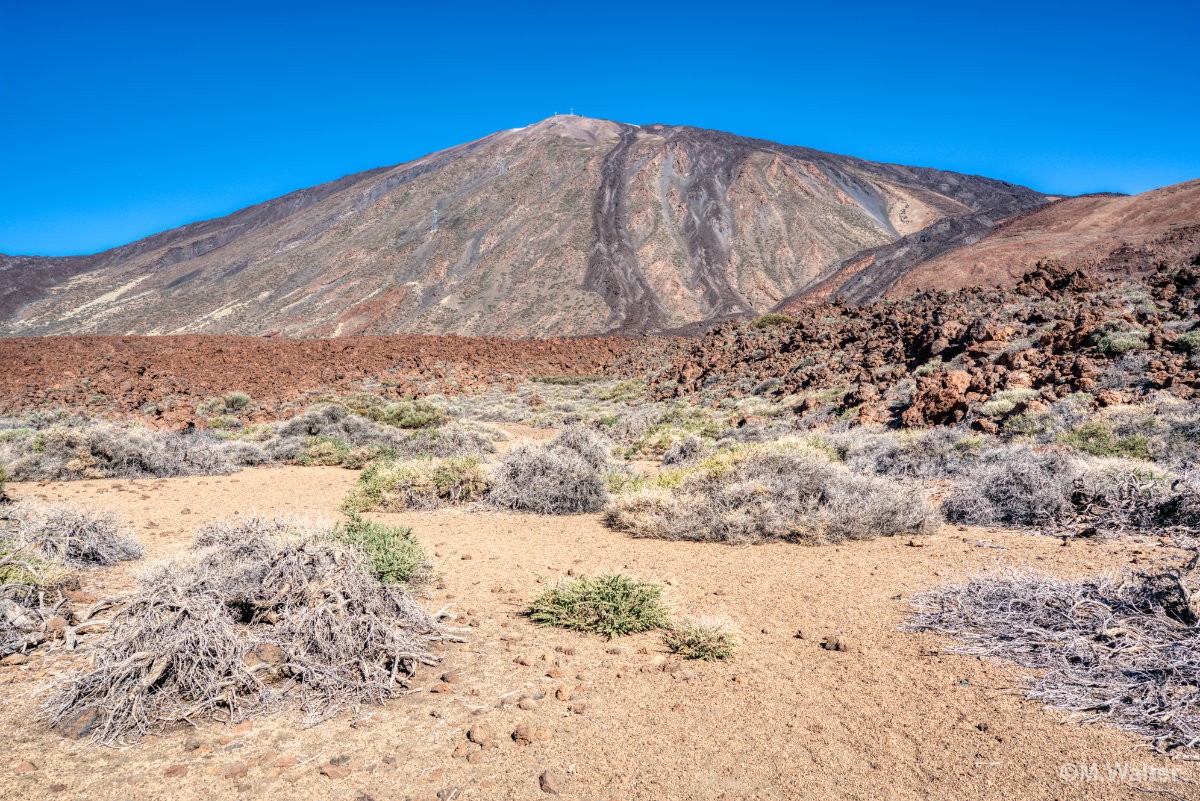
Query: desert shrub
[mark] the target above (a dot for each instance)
(410, 413)
(1098, 438)
(243, 453)
(548, 480)
(229, 403)
(771, 320)
(766, 431)
(3, 480)
(785, 491)
(630, 426)
(92, 449)
(72, 536)
(567, 380)
(612, 604)
(333, 423)
(684, 451)
(394, 553)
(1122, 648)
(1005, 401)
(707, 640)
(323, 451)
(422, 483)
(1115, 339)
(1189, 342)
(41, 546)
(1050, 489)
(1120, 495)
(930, 454)
(1015, 486)
(456, 439)
(592, 446)
(300, 624)
(630, 389)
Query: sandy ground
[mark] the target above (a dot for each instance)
(895, 717)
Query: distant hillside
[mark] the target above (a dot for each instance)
(1101, 234)
(570, 226)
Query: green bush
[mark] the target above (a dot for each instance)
(394, 553)
(323, 451)
(1115, 340)
(225, 404)
(612, 604)
(1005, 401)
(1189, 342)
(1097, 438)
(701, 639)
(417, 484)
(3, 479)
(771, 320)
(411, 413)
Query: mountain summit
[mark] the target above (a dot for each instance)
(568, 226)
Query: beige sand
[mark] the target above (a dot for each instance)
(895, 717)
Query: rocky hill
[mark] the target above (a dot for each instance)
(1102, 234)
(570, 226)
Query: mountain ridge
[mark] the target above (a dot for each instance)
(569, 226)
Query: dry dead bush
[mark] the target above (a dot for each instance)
(76, 448)
(685, 451)
(71, 536)
(592, 446)
(40, 545)
(1055, 490)
(1016, 486)
(1118, 648)
(931, 454)
(783, 491)
(262, 620)
(548, 480)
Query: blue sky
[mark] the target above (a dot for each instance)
(121, 119)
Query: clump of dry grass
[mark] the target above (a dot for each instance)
(1118, 648)
(784, 491)
(705, 639)
(263, 619)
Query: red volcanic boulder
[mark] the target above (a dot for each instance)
(940, 398)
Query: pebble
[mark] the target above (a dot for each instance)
(836, 642)
(550, 783)
(482, 735)
(333, 771)
(176, 771)
(526, 734)
(25, 767)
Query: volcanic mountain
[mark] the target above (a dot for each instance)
(569, 226)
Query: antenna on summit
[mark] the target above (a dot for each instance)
(502, 165)
(434, 228)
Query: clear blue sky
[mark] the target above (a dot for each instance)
(121, 119)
